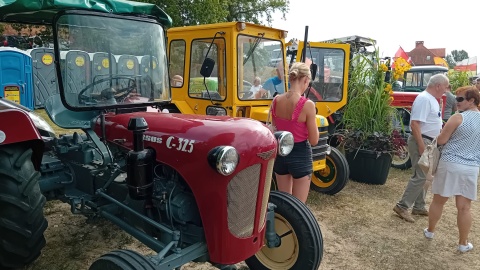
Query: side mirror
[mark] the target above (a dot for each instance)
(313, 70)
(207, 67)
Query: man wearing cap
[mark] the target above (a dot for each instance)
(425, 124)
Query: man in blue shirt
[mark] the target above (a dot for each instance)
(273, 84)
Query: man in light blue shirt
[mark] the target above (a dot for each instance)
(274, 84)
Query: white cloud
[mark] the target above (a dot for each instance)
(452, 25)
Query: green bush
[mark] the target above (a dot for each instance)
(458, 79)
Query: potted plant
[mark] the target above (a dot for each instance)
(369, 137)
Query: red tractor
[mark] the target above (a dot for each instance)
(190, 187)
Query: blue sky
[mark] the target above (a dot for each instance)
(454, 25)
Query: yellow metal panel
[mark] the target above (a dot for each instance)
(327, 108)
(183, 107)
(321, 121)
(259, 113)
(319, 165)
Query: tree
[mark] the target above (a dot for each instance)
(459, 55)
(455, 56)
(450, 61)
(18, 27)
(46, 34)
(194, 12)
(255, 10)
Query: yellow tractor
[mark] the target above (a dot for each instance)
(218, 69)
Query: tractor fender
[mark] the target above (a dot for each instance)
(16, 127)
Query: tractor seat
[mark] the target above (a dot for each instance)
(68, 119)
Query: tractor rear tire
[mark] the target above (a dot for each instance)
(22, 223)
(334, 177)
(122, 259)
(302, 242)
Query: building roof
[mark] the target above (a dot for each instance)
(422, 56)
(439, 52)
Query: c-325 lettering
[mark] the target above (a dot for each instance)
(180, 144)
(172, 142)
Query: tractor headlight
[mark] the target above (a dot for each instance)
(285, 142)
(224, 159)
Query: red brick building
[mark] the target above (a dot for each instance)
(422, 56)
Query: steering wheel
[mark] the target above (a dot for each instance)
(109, 95)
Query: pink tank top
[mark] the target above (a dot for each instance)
(298, 129)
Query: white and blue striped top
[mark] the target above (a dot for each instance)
(463, 147)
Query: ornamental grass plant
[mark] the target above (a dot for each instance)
(368, 116)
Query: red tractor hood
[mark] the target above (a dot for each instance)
(242, 133)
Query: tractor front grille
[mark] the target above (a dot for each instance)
(319, 151)
(266, 193)
(241, 201)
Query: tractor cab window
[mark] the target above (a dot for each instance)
(413, 79)
(177, 62)
(213, 87)
(328, 83)
(416, 80)
(106, 61)
(260, 68)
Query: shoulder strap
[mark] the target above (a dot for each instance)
(298, 108)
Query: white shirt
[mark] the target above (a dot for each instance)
(426, 110)
(255, 89)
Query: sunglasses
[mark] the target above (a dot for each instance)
(459, 99)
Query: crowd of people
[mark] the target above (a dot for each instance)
(458, 166)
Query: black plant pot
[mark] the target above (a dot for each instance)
(367, 167)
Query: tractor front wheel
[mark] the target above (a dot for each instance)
(301, 238)
(123, 259)
(22, 223)
(334, 177)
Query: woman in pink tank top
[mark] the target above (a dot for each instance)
(293, 112)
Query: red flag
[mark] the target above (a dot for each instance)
(400, 53)
(469, 64)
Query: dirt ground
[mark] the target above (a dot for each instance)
(359, 228)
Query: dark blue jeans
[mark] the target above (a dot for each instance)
(298, 163)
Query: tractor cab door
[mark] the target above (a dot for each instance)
(329, 89)
(192, 55)
(232, 68)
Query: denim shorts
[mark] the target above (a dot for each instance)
(298, 163)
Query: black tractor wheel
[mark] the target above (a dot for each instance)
(334, 177)
(401, 160)
(22, 223)
(122, 259)
(302, 243)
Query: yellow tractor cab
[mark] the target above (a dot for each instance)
(219, 69)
